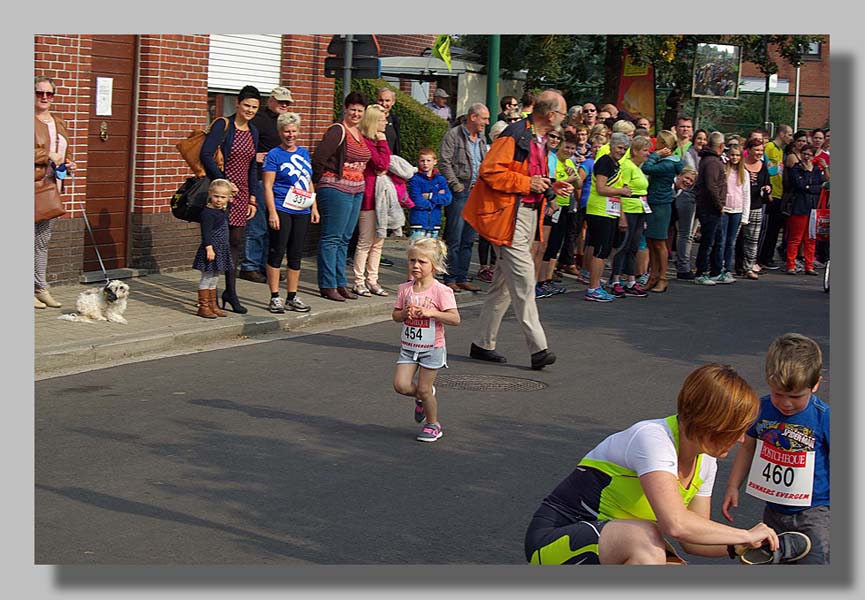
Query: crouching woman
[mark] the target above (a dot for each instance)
(652, 483)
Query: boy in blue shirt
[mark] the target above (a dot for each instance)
(430, 192)
(785, 455)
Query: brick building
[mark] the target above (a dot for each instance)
(813, 83)
(129, 98)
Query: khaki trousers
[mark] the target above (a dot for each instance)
(514, 281)
(367, 255)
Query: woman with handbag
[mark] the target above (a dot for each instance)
(337, 172)
(51, 161)
(238, 144)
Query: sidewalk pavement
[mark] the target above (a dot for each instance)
(161, 311)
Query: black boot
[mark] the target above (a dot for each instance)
(229, 295)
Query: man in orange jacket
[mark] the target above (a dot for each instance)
(512, 189)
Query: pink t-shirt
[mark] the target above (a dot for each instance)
(437, 296)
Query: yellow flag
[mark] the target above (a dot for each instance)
(442, 49)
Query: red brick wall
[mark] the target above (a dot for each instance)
(303, 73)
(172, 101)
(405, 45)
(813, 79)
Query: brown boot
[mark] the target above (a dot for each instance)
(214, 308)
(204, 305)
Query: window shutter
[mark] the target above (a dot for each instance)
(237, 60)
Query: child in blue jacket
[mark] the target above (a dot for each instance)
(430, 192)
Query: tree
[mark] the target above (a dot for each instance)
(570, 63)
(589, 66)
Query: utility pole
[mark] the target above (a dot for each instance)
(493, 52)
(346, 69)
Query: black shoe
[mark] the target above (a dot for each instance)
(253, 276)
(769, 266)
(236, 306)
(793, 545)
(686, 275)
(542, 359)
(479, 353)
(385, 262)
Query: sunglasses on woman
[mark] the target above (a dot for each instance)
(45, 94)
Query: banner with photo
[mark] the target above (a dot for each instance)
(717, 71)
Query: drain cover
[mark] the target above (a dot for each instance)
(488, 383)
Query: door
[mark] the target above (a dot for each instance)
(109, 151)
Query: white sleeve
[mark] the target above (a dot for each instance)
(651, 449)
(708, 471)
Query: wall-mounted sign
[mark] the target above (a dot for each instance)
(104, 93)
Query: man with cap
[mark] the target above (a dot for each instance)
(254, 263)
(439, 105)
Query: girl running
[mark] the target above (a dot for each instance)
(423, 306)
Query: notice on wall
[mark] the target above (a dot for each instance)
(104, 93)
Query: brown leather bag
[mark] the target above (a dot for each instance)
(46, 201)
(190, 148)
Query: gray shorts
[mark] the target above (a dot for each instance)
(814, 522)
(428, 359)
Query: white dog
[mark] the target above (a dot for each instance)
(101, 304)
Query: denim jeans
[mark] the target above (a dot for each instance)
(725, 242)
(685, 208)
(257, 239)
(339, 212)
(710, 222)
(459, 237)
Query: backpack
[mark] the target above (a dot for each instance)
(190, 199)
(190, 148)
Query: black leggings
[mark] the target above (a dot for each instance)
(486, 255)
(236, 244)
(287, 240)
(626, 254)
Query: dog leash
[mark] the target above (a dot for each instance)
(95, 248)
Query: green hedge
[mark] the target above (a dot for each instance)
(419, 126)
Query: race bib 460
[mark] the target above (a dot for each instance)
(782, 476)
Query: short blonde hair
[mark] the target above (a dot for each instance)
(716, 405)
(369, 123)
(600, 128)
(668, 139)
(793, 363)
(434, 249)
(219, 183)
(623, 126)
(289, 118)
(640, 142)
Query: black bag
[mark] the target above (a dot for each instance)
(190, 199)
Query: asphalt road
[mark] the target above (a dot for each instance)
(297, 451)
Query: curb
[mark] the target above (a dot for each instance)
(117, 350)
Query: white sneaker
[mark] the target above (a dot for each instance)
(704, 280)
(276, 305)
